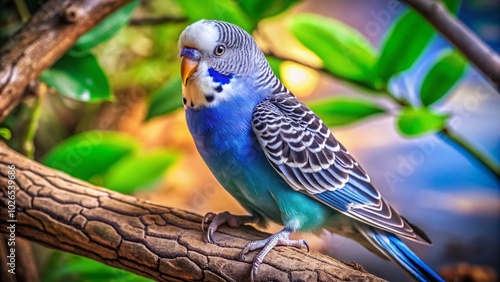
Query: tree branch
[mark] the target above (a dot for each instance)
(44, 39)
(471, 46)
(158, 242)
(157, 21)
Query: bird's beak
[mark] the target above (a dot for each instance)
(188, 67)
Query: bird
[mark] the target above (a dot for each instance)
(276, 157)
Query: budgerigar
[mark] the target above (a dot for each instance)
(276, 157)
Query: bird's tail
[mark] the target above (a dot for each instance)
(396, 250)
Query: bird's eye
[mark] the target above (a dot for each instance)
(219, 50)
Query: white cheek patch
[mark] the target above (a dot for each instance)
(201, 90)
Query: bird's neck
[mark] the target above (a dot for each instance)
(216, 129)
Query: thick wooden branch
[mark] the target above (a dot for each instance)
(161, 243)
(479, 53)
(44, 39)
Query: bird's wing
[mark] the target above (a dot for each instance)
(305, 153)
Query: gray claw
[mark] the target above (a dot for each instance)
(253, 273)
(306, 244)
(210, 237)
(242, 254)
(205, 219)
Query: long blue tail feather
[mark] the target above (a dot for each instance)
(396, 250)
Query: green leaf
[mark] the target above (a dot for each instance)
(344, 50)
(452, 5)
(259, 9)
(414, 122)
(405, 42)
(403, 45)
(138, 172)
(79, 78)
(343, 110)
(5, 133)
(275, 65)
(166, 99)
(225, 10)
(79, 268)
(90, 153)
(106, 29)
(441, 78)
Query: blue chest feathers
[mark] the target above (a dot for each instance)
(220, 130)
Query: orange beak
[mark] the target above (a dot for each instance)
(188, 67)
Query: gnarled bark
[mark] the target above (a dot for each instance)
(44, 39)
(158, 242)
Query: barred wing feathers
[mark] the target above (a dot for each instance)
(305, 153)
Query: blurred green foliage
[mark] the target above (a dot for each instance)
(110, 159)
(225, 10)
(343, 50)
(166, 99)
(347, 54)
(403, 45)
(5, 133)
(441, 78)
(413, 122)
(64, 267)
(344, 110)
(105, 29)
(80, 78)
(91, 153)
(77, 74)
(260, 9)
(138, 172)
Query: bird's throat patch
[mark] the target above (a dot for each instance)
(219, 77)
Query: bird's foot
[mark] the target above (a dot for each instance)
(217, 220)
(279, 239)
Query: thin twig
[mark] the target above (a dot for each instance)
(466, 41)
(157, 21)
(456, 141)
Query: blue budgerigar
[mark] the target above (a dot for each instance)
(276, 157)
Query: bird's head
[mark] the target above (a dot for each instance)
(215, 55)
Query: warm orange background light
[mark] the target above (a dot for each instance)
(301, 80)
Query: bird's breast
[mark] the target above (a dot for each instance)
(226, 141)
(217, 131)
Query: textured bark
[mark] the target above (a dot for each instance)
(158, 242)
(44, 39)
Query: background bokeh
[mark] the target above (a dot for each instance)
(430, 180)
